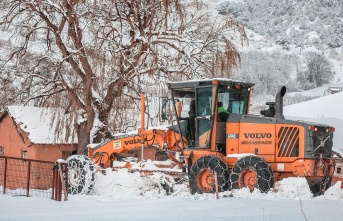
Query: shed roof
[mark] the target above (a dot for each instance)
(43, 125)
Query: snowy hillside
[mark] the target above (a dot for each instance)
(327, 110)
(292, 22)
(327, 106)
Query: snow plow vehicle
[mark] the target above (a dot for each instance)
(218, 144)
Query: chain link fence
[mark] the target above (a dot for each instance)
(25, 177)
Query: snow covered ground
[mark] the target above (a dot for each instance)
(127, 196)
(96, 208)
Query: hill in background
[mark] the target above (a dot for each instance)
(291, 22)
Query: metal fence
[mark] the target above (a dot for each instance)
(25, 177)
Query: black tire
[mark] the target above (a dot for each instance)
(81, 174)
(201, 175)
(320, 188)
(252, 172)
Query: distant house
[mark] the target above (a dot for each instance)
(36, 133)
(332, 90)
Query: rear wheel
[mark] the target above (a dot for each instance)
(320, 188)
(81, 174)
(252, 172)
(202, 175)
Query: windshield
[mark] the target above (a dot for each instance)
(233, 100)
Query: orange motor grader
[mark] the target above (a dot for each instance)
(213, 135)
(245, 150)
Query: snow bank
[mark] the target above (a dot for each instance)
(124, 184)
(294, 188)
(121, 184)
(334, 193)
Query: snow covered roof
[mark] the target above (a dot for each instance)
(44, 125)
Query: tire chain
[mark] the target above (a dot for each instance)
(86, 181)
(201, 164)
(252, 163)
(322, 185)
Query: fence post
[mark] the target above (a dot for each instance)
(53, 194)
(53, 184)
(56, 189)
(59, 187)
(5, 176)
(60, 170)
(28, 178)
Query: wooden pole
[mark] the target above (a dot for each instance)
(62, 181)
(142, 124)
(58, 187)
(216, 183)
(142, 111)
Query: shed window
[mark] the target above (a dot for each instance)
(2, 150)
(24, 154)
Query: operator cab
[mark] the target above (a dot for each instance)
(203, 106)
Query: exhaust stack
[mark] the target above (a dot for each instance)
(279, 103)
(276, 108)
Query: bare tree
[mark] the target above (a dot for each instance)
(7, 90)
(319, 69)
(268, 70)
(92, 57)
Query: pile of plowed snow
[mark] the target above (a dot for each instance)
(122, 184)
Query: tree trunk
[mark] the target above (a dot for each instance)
(83, 137)
(83, 131)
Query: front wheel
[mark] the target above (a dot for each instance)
(202, 175)
(252, 172)
(81, 174)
